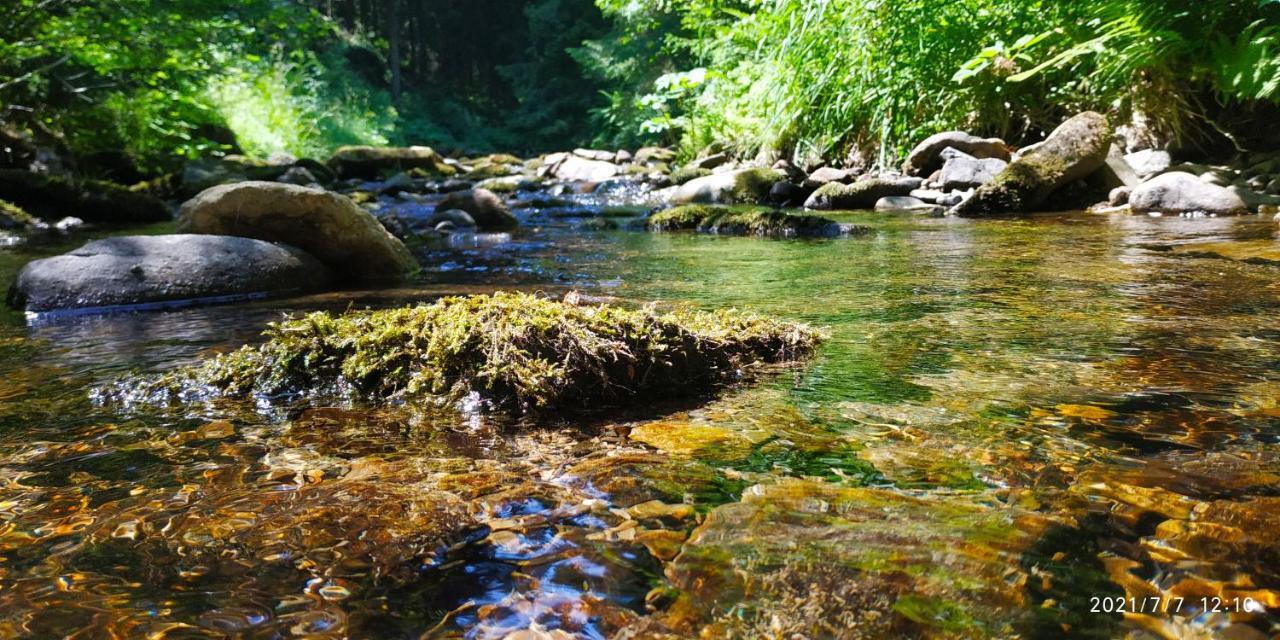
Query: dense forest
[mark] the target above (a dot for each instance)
(857, 80)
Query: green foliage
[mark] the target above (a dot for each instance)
(869, 78)
(515, 350)
(306, 105)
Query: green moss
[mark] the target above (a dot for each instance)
(753, 221)
(685, 174)
(14, 217)
(598, 224)
(91, 200)
(516, 351)
(753, 185)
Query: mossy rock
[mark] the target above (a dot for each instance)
(14, 217)
(748, 221)
(515, 351)
(487, 168)
(743, 186)
(685, 174)
(1072, 152)
(863, 194)
(370, 163)
(598, 224)
(89, 200)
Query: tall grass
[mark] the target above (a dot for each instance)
(868, 78)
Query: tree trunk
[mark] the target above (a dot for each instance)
(393, 38)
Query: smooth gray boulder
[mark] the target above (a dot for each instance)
(485, 207)
(927, 156)
(1076, 149)
(1117, 172)
(826, 174)
(863, 194)
(1183, 193)
(165, 271)
(327, 225)
(963, 172)
(1149, 162)
(574, 168)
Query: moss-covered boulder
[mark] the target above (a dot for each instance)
(90, 200)
(863, 194)
(744, 186)
(748, 221)
(327, 225)
(14, 217)
(1072, 152)
(512, 350)
(372, 162)
(688, 174)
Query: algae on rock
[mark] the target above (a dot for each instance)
(752, 221)
(513, 350)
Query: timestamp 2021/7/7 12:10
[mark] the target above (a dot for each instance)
(1157, 604)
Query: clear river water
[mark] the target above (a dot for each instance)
(1063, 426)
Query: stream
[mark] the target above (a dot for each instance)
(1063, 426)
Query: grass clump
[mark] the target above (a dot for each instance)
(747, 221)
(516, 351)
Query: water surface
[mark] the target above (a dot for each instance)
(1013, 424)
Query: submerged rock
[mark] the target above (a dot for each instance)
(91, 200)
(1074, 150)
(800, 558)
(510, 350)
(371, 162)
(485, 207)
(748, 221)
(1182, 193)
(327, 225)
(132, 270)
(927, 156)
(743, 186)
(863, 194)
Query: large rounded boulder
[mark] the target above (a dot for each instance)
(372, 162)
(863, 194)
(164, 271)
(1074, 150)
(742, 186)
(1182, 193)
(484, 206)
(927, 157)
(327, 225)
